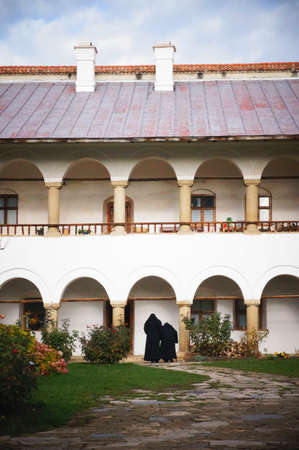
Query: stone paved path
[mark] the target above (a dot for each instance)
(231, 410)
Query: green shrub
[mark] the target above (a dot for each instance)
(211, 335)
(105, 346)
(17, 368)
(47, 360)
(61, 339)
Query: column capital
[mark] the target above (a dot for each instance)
(252, 302)
(252, 182)
(118, 304)
(55, 306)
(54, 184)
(120, 183)
(188, 183)
(184, 303)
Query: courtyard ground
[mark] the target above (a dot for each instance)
(231, 410)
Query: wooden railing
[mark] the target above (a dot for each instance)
(144, 227)
(279, 226)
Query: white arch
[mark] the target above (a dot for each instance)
(22, 160)
(212, 271)
(28, 275)
(82, 272)
(153, 271)
(150, 157)
(235, 162)
(274, 158)
(270, 274)
(81, 159)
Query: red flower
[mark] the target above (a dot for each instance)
(113, 331)
(15, 350)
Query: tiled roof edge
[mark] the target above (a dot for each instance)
(204, 68)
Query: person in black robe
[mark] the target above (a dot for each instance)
(152, 329)
(168, 341)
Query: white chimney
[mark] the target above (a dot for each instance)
(164, 55)
(85, 54)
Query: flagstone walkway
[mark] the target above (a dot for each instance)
(242, 410)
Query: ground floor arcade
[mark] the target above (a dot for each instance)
(85, 302)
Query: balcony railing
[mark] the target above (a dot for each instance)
(145, 227)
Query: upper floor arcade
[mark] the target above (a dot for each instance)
(150, 188)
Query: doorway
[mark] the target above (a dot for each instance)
(129, 319)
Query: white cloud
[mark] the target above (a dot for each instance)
(124, 32)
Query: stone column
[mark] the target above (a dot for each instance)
(51, 315)
(53, 207)
(251, 205)
(118, 314)
(185, 204)
(184, 339)
(119, 206)
(252, 314)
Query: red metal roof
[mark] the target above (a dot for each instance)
(135, 110)
(204, 68)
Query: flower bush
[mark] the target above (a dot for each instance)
(22, 360)
(61, 339)
(47, 360)
(211, 336)
(17, 370)
(105, 346)
(282, 355)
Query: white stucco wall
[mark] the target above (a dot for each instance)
(12, 312)
(165, 310)
(282, 320)
(81, 315)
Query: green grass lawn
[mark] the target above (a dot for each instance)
(277, 366)
(59, 397)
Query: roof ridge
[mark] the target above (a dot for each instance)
(150, 68)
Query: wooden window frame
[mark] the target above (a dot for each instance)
(269, 208)
(203, 209)
(6, 208)
(237, 326)
(200, 312)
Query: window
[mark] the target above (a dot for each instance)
(200, 309)
(34, 315)
(265, 208)
(8, 209)
(203, 208)
(240, 316)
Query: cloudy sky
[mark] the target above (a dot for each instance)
(43, 32)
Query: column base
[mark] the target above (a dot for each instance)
(185, 229)
(252, 229)
(118, 231)
(184, 356)
(53, 232)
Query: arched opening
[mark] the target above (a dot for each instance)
(21, 301)
(86, 185)
(218, 192)
(153, 186)
(150, 295)
(84, 303)
(281, 303)
(281, 178)
(23, 196)
(222, 295)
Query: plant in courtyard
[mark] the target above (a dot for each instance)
(105, 346)
(60, 338)
(211, 335)
(282, 355)
(47, 360)
(22, 360)
(251, 341)
(17, 370)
